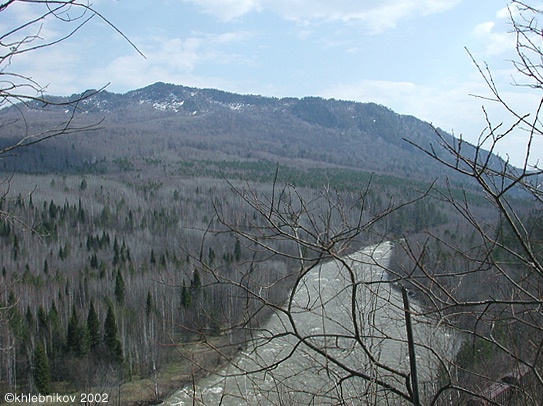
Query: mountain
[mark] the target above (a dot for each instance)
(170, 124)
(145, 248)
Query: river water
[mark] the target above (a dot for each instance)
(312, 367)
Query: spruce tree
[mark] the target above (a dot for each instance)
(110, 335)
(53, 210)
(211, 256)
(163, 261)
(56, 338)
(93, 327)
(195, 286)
(43, 322)
(148, 304)
(116, 257)
(72, 334)
(196, 282)
(94, 261)
(77, 336)
(29, 318)
(237, 250)
(81, 213)
(185, 296)
(42, 372)
(119, 287)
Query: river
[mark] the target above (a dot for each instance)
(280, 369)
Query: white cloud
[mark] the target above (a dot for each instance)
(172, 60)
(495, 41)
(20, 12)
(226, 9)
(55, 69)
(508, 12)
(495, 36)
(22, 22)
(451, 107)
(386, 12)
(484, 28)
(229, 37)
(443, 107)
(503, 13)
(377, 16)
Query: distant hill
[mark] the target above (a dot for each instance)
(168, 124)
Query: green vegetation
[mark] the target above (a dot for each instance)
(104, 254)
(173, 228)
(130, 250)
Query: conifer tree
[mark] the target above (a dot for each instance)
(211, 256)
(116, 257)
(196, 286)
(237, 250)
(163, 261)
(127, 254)
(15, 319)
(56, 336)
(185, 296)
(72, 332)
(106, 216)
(81, 213)
(42, 320)
(42, 371)
(94, 261)
(29, 317)
(15, 247)
(93, 327)
(53, 210)
(77, 337)
(196, 282)
(148, 304)
(119, 287)
(110, 335)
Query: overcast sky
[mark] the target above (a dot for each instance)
(408, 55)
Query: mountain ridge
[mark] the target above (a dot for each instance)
(173, 122)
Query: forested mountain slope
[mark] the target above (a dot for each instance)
(168, 124)
(118, 251)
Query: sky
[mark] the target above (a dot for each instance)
(408, 55)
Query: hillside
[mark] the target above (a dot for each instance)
(147, 251)
(169, 124)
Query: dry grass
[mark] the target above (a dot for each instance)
(188, 363)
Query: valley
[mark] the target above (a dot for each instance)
(183, 219)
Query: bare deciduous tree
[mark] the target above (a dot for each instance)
(478, 288)
(337, 332)
(21, 91)
(20, 38)
(501, 320)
